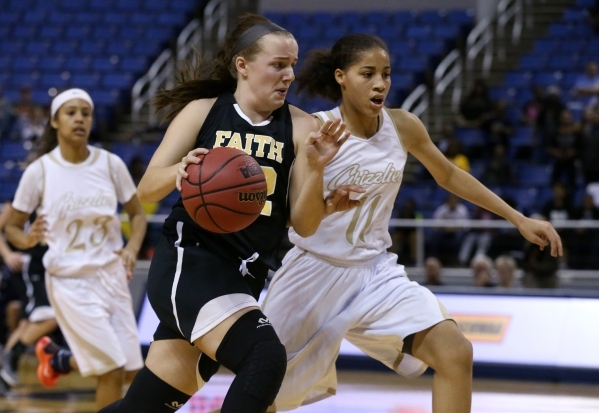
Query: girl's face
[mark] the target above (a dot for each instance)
(365, 84)
(270, 73)
(73, 121)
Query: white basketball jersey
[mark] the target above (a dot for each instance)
(376, 164)
(80, 204)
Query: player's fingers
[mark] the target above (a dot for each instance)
(343, 138)
(353, 188)
(324, 128)
(199, 151)
(555, 241)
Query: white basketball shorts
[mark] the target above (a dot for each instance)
(95, 314)
(314, 303)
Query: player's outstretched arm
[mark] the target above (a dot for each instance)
(315, 146)
(418, 143)
(139, 224)
(161, 175)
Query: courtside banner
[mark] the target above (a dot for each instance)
(544, 331)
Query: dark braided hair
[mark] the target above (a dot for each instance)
(317, 76)
(196, 80)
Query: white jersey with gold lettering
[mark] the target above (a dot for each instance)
(80, 205)
(376, 164)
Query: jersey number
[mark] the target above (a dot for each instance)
(370, 206)
(95, 239)
(271, 180)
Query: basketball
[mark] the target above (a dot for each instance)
(225, 192)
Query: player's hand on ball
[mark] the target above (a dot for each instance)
(191, 157)
(129, 259)
(339, 199)
(323, 145)
(541, 233)
(37, 230)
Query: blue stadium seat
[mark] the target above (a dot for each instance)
(413, 64)
(278, 18)
(131, 32)
(92, 47)
(402, 81)
(572, 46)
(117, 81)
(128, 5)
(525, 198)
(559, 30)
(430, 47)
(71, 4)
(124, 150)
(7, 190)
(134, 64)
(23, 79)
(547, 78)
(147, 49)
(41, 97)
(432, 17)
(403, 17)
(5, 62)
(377, 18)
(334, 32)
(24, 32)
(533, 62)
(145, 19)
(390, 34)
(104, 32)
(101, 5)
(53, 79)
(517, 79)
(172, 19)
(23, 63)
(122, 48)
(569, 79)
(60, 17)
(104, 64)
(88, 18)
(563, 62)
(547, 46)
(477, 169)
(183, 5)
(85, 81)
(104, 97)
(77, 64)
(158, 34)
(37, 48)
(401, 47)
(13, 150)
(582, 30)
(64, 47)
(9, 17)
(586, 4)
(78, 32)
(51, 32)
(418, 32)
(461, 17)
(523, 136)
(575, 15)
(5, 31)
(155, 5)
(119, 18)
(446, 32)
(470, 137)
(534, 175)
(351, 19)
(10, 47)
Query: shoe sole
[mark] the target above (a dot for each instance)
(43, 358)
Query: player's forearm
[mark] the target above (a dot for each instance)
(467, 187)
(309, 208)
(4, 248)
(139, 226)
(17, 237)
(157, 183)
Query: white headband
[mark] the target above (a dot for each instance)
(67, 95)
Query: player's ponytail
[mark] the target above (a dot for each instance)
(317, 76)
(198, 80)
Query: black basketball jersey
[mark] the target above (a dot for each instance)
(270, 143)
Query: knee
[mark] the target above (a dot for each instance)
(455, 356)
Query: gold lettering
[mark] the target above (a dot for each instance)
(262, 140)
(249, 138)
(276, 151)
(221, 135)
(235, 142)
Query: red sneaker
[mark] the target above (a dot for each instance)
(45, 349)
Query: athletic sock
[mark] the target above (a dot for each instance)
(15, 354)
(61, 361)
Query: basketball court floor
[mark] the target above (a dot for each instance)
(358, 392)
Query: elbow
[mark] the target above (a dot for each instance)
(305, 229)
(145, 196)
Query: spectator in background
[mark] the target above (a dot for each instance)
(584, 251)
(446, 242)
(499, 127)
(6, 110)
(590, 145)
(498, 171)
(551, 109)
(432, 272)
(481, 271)
(540, 268)
(532, 108)
(479, 238)
(564, 147)
(454, 154)
(587, 85)
(506, 270)
(559, 207)
(31, 128)
(24, 107)
(477, 107)
(404, 238)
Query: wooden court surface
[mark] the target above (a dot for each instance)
(358, 392)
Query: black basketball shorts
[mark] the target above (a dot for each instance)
(192, 289)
